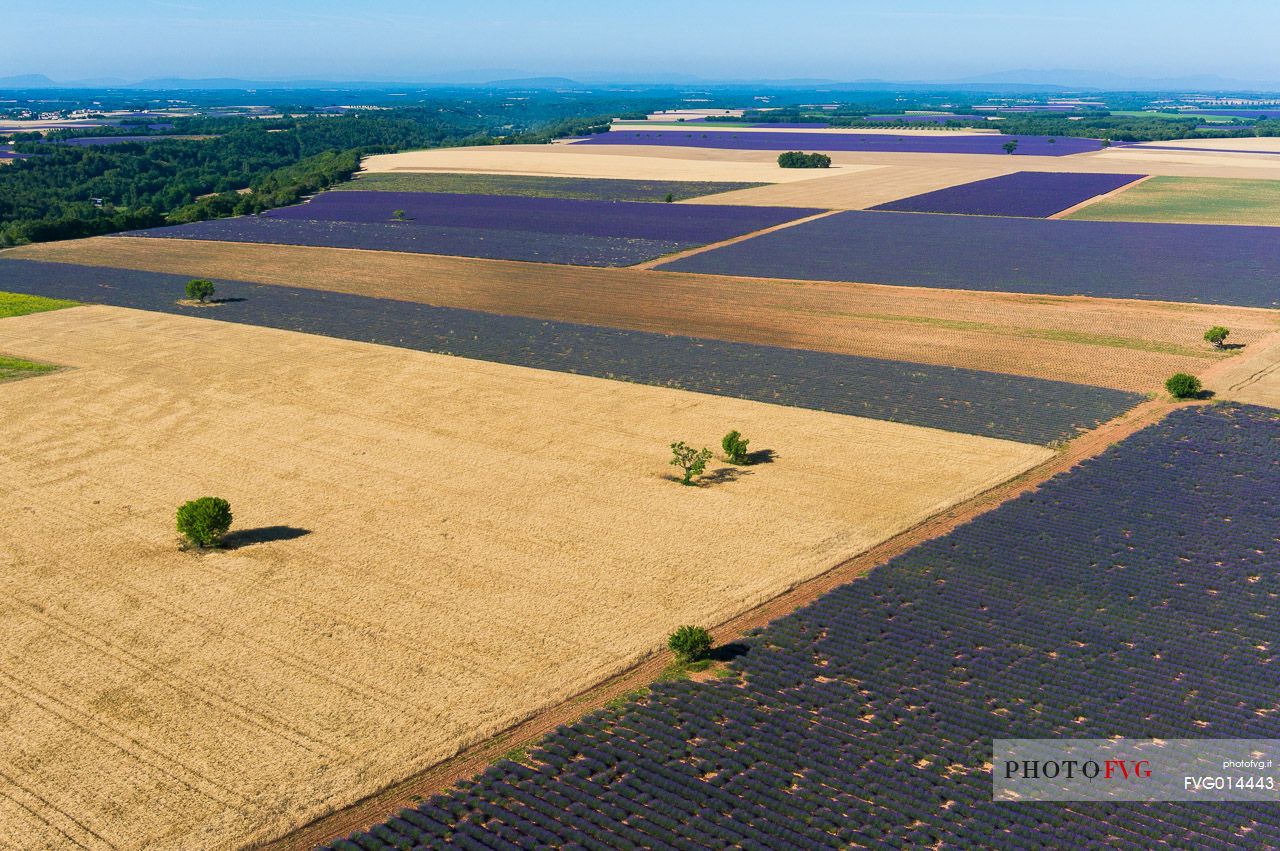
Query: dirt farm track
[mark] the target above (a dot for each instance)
(230, 697)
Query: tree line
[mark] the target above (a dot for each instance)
(67, 192)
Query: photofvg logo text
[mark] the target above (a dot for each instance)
(1136, 770)
(1072, 769)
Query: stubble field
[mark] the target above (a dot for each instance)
(428, 549)
(1127, 345)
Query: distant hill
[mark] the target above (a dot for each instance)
(26, 81)
(535, 83)
(1011, 82)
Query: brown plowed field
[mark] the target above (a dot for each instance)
(429, 550)
(1129, 345)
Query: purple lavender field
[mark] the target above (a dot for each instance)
(544, 230)
(1028, 194)
(693, 224)
(1210, 264)
(492, 244)
(747, 140)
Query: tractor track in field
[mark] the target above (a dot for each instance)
(472, 761)
(680, 255)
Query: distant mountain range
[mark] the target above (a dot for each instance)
(1025, 80)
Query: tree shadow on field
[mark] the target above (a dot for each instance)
(262, 535)
(722, 476)
(729, 652)
(761, 456)
(213, 302)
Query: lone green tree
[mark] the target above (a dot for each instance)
(1216, 335)
(1010, 146)
(398, 215)
(692, 461)
(1182, 386)
(199, 289)
(690, 644)
(735, 448)
(204, 521)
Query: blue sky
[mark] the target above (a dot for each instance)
(425, 39)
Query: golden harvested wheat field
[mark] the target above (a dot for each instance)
(584, 161)
(1254, 380)
(430, 549)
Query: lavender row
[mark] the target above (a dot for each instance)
(985, 143)
(1128, 597)
(1029, 194)
(689, 224)
(493, 244)
(1212, 264)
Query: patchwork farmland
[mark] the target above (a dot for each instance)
(310, 677)
(942, 143)
(1120, 632)
(440, 398)
(1186, 263)
(547, 230)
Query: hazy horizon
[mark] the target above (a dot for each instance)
(357, 40)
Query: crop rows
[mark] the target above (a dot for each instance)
(963, 400)
(986, 143)
(922, 119)
(1211, 264)
(1028, 194)
(547, 230)
(1130, 597)
(691, 224)
(511, 185)
(492, 244)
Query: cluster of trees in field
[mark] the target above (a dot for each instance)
(799, 159)
(66, 192)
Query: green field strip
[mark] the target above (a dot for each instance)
(16, 304)
(1191, 200)
(13, 369)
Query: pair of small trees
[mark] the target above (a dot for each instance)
(1183, 385)
(1186, 386)
(694, 461)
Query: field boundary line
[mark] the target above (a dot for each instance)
(1088, 202)
(406, 793)
(680, 255)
